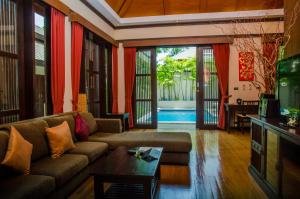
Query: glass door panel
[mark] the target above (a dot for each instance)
(145, 108)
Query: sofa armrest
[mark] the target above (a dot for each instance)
(109, 125)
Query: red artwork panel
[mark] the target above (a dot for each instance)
(246, 66)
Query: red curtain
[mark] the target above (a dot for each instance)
(115, 108)
(221, 54)
(57, 60)
(77, 38)
(271, 54)
(129, 67)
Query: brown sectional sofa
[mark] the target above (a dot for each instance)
(57, 178)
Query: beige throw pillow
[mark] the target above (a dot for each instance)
(60, 139)
(18, 155)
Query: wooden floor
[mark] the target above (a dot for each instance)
(217, 169)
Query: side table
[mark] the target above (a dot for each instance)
(124, 117)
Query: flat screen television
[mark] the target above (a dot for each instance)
(288, 87)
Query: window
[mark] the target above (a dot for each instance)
(40, 66)
(96, 74)
(9, 62)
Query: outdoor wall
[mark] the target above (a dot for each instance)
(293, 47)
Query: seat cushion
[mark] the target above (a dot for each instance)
(26, 186)
(62, 168)
(171, 142)
(34, 132)
(57, 120)
(93, 150)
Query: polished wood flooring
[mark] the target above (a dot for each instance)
(217, 169)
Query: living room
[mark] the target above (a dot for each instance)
(84, 84)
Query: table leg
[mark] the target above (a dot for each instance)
(126, 125)
(147, 190)
(98, 188)
(228, 121)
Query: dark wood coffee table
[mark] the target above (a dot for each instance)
(119, 167)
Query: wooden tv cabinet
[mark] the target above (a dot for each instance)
(275, 158)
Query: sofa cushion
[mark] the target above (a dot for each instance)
(60, 139)
(57, 120)
(26, 186)
(34, 132)
(92, 150)
(82, 130)
(90, 120)
(62, 168)
(171, 142)
(18, 155)
(4, 171)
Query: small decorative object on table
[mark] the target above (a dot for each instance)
(239, 101)
(145, 153)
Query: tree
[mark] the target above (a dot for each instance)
(170, 51)
(265, 70)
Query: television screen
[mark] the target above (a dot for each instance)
(288, 81)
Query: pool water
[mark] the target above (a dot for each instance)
(185, 116)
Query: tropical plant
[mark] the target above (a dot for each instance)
(168, 73)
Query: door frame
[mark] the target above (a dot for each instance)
(154, 122)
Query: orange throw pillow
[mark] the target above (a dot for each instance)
(18, 155)
(60, 139)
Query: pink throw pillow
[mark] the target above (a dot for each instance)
(81, 128)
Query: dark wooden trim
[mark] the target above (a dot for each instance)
(29, 59)
(48, 60)
(79, 19)
(22, 82)
(177, 41)
(10, 55)
(9, 112)
(199, 86)
(154, 88)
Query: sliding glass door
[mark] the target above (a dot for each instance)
(208, 95)
(145, 102)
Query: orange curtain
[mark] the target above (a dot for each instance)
(271, 54)
(129, 67)
(221, 54)
(57, 60)
(115, 108)
(77, 38)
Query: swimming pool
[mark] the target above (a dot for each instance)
(182, 116)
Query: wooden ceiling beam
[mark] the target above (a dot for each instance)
(177, 41)
(124, 7)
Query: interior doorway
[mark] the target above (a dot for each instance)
(176, 85)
